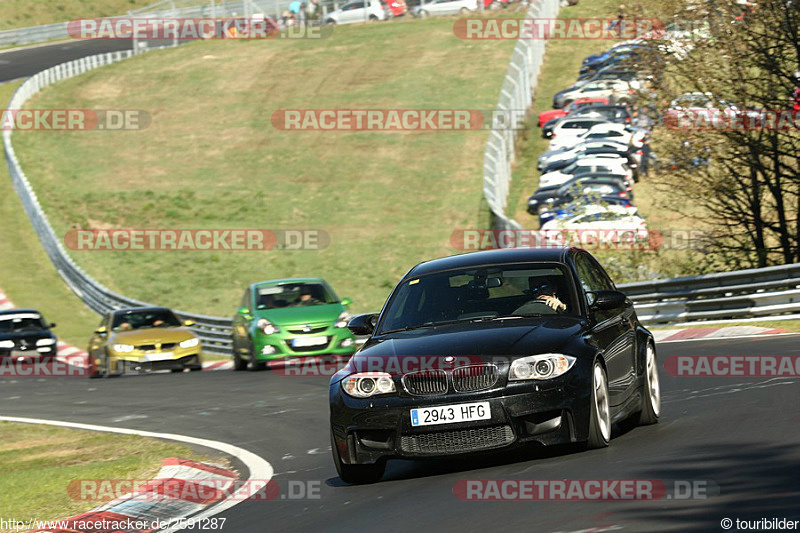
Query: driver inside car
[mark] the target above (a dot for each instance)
(545, 290)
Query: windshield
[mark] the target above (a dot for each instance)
(294, 294)
(153, 318)
(488, 293)
(21, 321)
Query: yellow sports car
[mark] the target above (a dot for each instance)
(143, 339)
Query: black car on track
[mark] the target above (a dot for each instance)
(25, 333)
(488, 350)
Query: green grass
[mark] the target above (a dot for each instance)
(26, 274)
(23, 13)
(211, 159)
(37, 464)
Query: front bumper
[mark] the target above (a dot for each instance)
(366, 431)
(338, 341)
(28, 349)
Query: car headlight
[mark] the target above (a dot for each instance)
(367, 384)
(544, 366)
(123, 348)
(341, 322)
(6, 344)
(190, 343)
(45, 342)
(267, 327)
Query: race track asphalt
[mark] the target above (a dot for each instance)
(738, 434)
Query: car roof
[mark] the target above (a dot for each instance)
(287, 280)
(489, 257)
(19, 312)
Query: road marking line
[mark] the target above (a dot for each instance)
(260, 470)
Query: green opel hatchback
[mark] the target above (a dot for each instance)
(290, 318)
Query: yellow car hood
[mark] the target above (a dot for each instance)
(153, 336)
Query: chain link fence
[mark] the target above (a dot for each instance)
(515, 95)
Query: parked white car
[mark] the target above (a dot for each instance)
(614, 225)
(611, 131)
(620, 91)
(610, 165)
(571, 127)
(357, 11)
(444, 7)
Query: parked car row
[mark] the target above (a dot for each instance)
(373, 10)
(597, 149)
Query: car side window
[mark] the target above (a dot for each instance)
(591, 275)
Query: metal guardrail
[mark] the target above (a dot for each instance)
(728, 295)
(215, 9)
(515, 97)
(213, 331)
(746, 293)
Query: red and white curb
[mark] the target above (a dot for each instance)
(172, 494)
(684, 334)
(218, 365)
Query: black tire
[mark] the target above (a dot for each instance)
(255, 366)
(651, 391)
(373, 18)
(464, 11)
(239, 364)
(599, 418)
(357, 474)
(175, 370)
(330, 22)
(423, 14)
(197, 368)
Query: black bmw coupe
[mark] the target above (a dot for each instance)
(488, 350)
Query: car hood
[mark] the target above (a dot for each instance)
(547, 116)
(487, 341)
(153, 335)
(287, 316)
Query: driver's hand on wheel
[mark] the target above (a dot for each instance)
(553, 302)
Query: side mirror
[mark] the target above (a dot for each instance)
(244, 311)
(101, 330)
(363, 324)
(605, 300)
(346, 301)
(188, 322)
(52, 324)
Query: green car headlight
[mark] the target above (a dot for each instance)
(267, 327)
(341, 322)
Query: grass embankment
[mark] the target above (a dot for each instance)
(23, 13)
(37, 464)
(212, 159)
